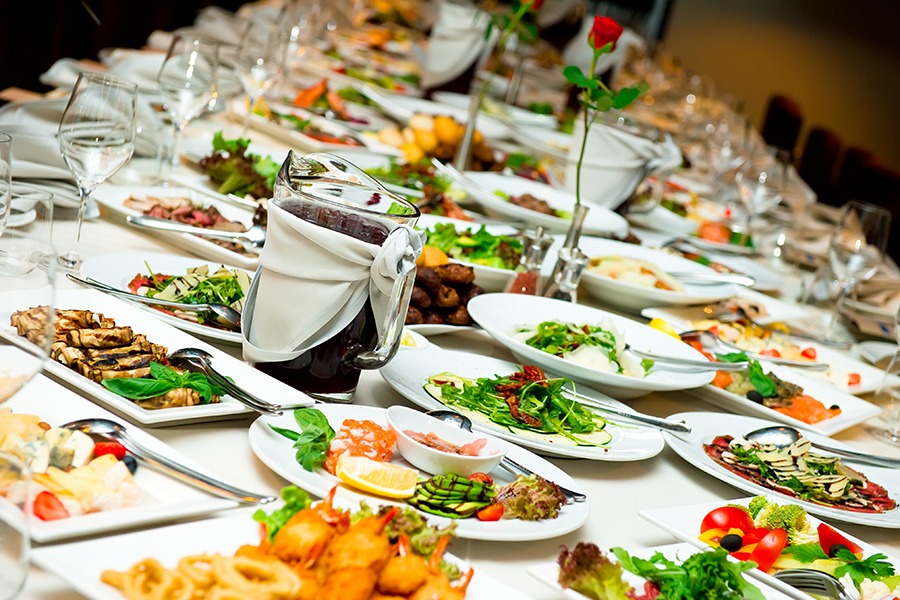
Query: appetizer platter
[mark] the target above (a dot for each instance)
(723, 236)
(513, 319)
(404, 107)
(95, 354)
(343, 104)
(865, 495)
(421, 378)
(807, 545)
(360, 435)
(189, 280)
(73, 498)
(84, 563)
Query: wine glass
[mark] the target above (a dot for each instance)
(5, 173)
(187, 79)
(856, 248)
(96, 138)
(15, 549)
(257, 64)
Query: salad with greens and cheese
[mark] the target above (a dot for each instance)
(478, 247)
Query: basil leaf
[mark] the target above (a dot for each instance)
(291, 435)
(762, 382)
(163, 373)
(311, 417)
(138, 388)
(806, 553)
(732, 357)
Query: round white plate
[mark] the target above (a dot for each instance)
(428, 329)
(547, 141)
(502, 314)
(874, 351)
(513, 114)
(633, 297)
(599, 221)
(724, 248)
(707, 425)
(277, 453)
(118, 270)
(491, 127)
(408, 374)
(21, 218)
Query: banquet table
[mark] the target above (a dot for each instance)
(616, 490)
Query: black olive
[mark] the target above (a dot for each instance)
(832, 552)
(755, 396)
(732, 542)
(834, 407)
(130, 462)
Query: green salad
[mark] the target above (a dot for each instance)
(478, 247)
(411, 175)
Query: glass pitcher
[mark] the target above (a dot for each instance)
(327, 191)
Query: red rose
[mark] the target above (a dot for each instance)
(535, 4)
(604, 31)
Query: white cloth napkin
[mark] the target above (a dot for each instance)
(312, 282)
(456, 42)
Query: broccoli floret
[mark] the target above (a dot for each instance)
(791, 518)
(588, 571)
(757, 505)
(741, 507)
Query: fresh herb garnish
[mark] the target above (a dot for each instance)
(479, 247)
(875, 567)
(806, 553)
(762, 382)
(732, 357)
(295, 500)
(312, 440)
(162, 380)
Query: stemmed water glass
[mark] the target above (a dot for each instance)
(96, 138)
(258, 64)
(5, 173)
(759, 189)
(187, 80)
(856, 248)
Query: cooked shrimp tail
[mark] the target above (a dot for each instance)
(434, 562)
(463, 582)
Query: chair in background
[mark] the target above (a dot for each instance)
(854, 163)
(819, 161)
(880, 185)
(782, 123)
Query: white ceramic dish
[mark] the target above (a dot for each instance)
(515, 115)
(438, 462)
(18, 218)
(81, 563)
(684, 523)
(880, 312)
(548, 573)
(853, 410)
(546, 141)
(599, 220)
(158, 332)
(163, 498)
(776, 310)
(707, 425)
(277, 453)
(408, 375)
(632, 297)
(427, 329)
(112, 198)
(723, 248)
(876, 351)
(400, 106)
(118, 270)
(502, 314)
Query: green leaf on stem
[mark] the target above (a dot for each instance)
(625, 96)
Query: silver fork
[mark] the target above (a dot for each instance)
(814, 582)
(725, 315)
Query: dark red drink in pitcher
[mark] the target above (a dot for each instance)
(364, 211)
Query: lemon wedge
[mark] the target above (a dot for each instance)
(382, 479)
(664, 326)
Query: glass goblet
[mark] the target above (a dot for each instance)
(5, 172)
(96, 138)
(15, 549)
(258, 64)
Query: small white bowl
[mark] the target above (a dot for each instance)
(437, 462)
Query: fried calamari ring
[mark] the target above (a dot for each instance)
(149, 580)
(254, 578)
(198, 568)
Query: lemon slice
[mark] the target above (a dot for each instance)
(664, 326)
(383, 479)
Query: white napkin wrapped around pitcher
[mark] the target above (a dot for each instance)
(313, 281)
(457, 41)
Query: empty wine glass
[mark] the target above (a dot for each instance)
(257, 64)
(15, 549)
(96, 138)
(5, 172)
(856, 248)
(187, 80)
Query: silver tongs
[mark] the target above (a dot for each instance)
(252, 240)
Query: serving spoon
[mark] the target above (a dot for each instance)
(252, 240)
(463, 422)
(116, 431)
(782, 436)
(714, 343)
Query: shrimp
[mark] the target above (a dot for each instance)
(405, 572)
(363, 546)
(303, 538)
(438, 585)
(354, 583)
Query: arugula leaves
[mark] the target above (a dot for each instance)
(163, 380)
(312, 440)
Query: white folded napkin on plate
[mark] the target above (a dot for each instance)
(457, 41)
(313, 281)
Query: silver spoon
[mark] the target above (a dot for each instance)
(782, 436)
(253, 239)
(510, 465)
(200, 361)
(116, 431)
(226, 315)
(714, 343)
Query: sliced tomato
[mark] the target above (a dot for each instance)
(482, 477)
(809, 353)
(771, 352)
(853, 379)
(828, 537)
(47, 507)
(769, 549)
(727, 517)
(114, 448)
(493, 512)
(753, 537)
(722, 379)
(741, 554)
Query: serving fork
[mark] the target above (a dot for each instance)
(814, 582)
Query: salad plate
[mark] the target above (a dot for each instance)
(683, 522)
(81, 563)
(408, 375)
(113, 198)
(548, 573)
(118, 270)
(503, 315)
(163, 498)
(772, 310)
(277, 453)
(126, 314)
(403, 107)
(706, 426)
(625, 292)
(492, 191)
(499, 110)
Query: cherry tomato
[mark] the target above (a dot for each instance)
(482, 477)
(714, 232)
(809, 353)
(47, 507)
(491, 512)
(769, 549)
(828, 537)
(727, 517)
(853, 379)
(771, 352)
(114, 448)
